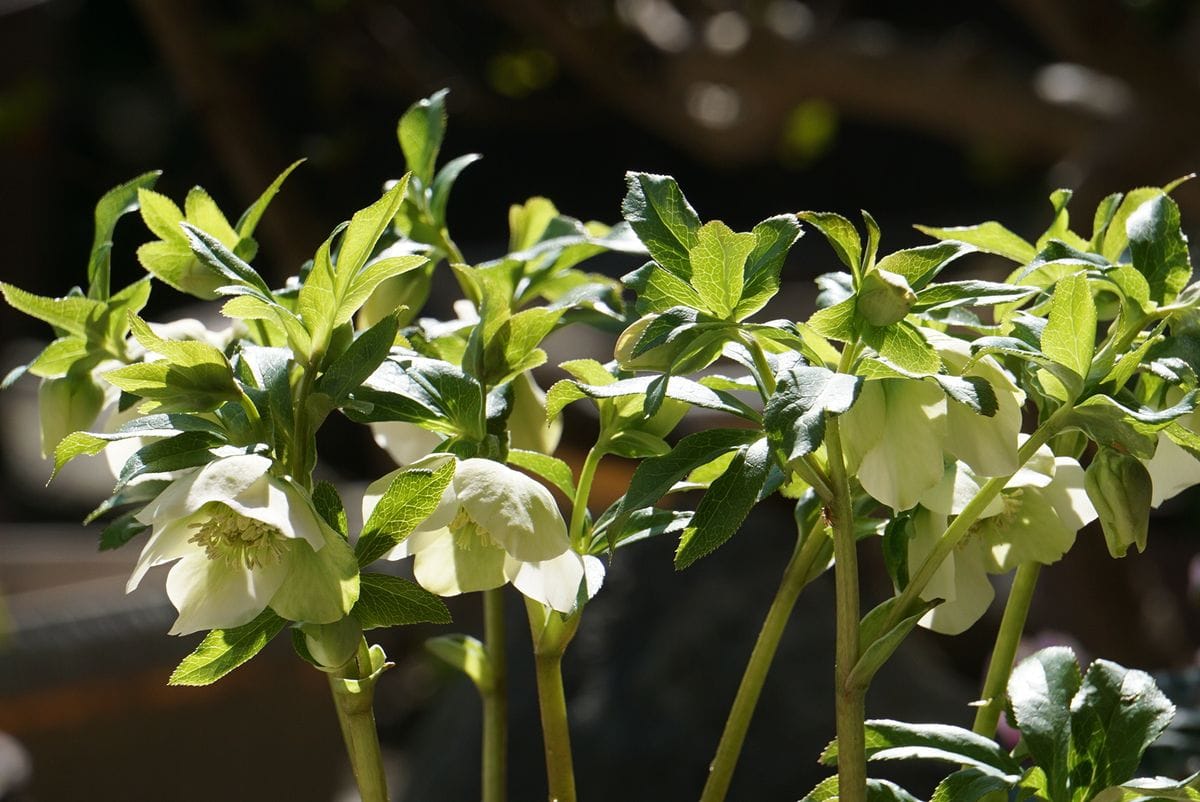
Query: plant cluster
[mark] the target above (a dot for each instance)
(963, 427)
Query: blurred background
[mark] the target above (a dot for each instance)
(937, 112)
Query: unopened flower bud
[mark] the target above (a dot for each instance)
(1120, 488)
(884, 297)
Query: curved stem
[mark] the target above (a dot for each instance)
(494, 768)
(587, 475)
(849, 696)
(798, 573)
(1016, 610)
(353, 692)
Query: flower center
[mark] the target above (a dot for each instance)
(468, 534)
(236, 540)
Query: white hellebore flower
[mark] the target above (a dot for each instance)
(1035, 518)
(898, 431)
(1173, 469)
(245, 540)
(494, 525)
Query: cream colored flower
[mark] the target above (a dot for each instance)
(494, 525)
(245, 540)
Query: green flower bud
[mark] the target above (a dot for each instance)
(1120, 488)
(884, 297)
(66, 405)
(332, 645)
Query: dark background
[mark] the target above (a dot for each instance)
(934, 112)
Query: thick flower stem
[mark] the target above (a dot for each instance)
(1016, 610)
(353, 693)
(798, 573)
(551, 635)
(587, 475)
(494, 770)
(849, 696)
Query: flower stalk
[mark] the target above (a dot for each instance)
(353, 689)
(796, 576)
(494, 769)
(1004, 653)
(551, 635)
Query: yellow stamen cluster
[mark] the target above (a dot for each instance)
(468, 534)
(237, 540)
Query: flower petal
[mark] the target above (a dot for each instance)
(960, 581)
(321, 586)
(1068, 495)
(418, 540)
(553, 582)
(516, 511)
(167, 542)
(907, 459)
(447, 570)
(1030, 530)
(210, 594)
(957, 488)
(219, 480)
(404, 442)
(279, 503)
(1172, 470)
(862, 426)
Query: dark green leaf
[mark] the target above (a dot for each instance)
(877, 791)
(662, 218)
(644, 523)
(209, 250)
(186, 450)
(774, 238)
(726, 504)
(950, 294)
(970, 785)
(795, 415)
(1158, 247)
(1116, 714)
(388, 601)
(223, 650)
(122, 530)
(1040, 690)
(359, 361)
(972, 391)
(897, 740)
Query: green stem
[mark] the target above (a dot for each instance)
(298, 458)
(849, 697)
(798, 573)
(494, 769)
(1016, 610)
(551, 634)
(587, 475)
(765, 377)
(962, 523)
(353, 691)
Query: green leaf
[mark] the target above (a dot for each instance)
(662, 218)
(73, 314)
(654, 477)
(949, 294)
(877, 791)
(1116, 236)
(76, 444)
(430, 392)
(878, 647)
(678, 388)
(726, 504)
(411, 497)
(1158, 247)
(346, 373)
(1070, 334)
(209, 250)
(466, 654)
(718, 261)
(552, 469)
(249, 219)
(838, 322)
(420, 132)
(361, 235)
(920, 265)
(223, 650)
(114, 204)
(439, 195)
(902, 346)
(897, 740)
(660, 290)
(774, 237)
(989, 237)
(388, 601)
(794, 417)
(1110, 424)
(365, 283)
(841, 234)
(645, 523)
(512, 349)
(329, 506)
(58, 357)
(184, 450)
(1116, 714)
(970, 785)
(970, 391)
(1040, 690)
(122, 530)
